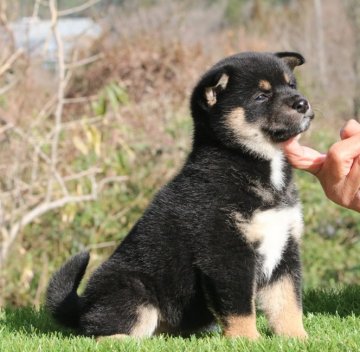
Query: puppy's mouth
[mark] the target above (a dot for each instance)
(284, 133)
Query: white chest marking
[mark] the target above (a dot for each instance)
(272, 228)
(276, 169)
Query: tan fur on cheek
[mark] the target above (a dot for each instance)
(282, 309)
(249, 134)
(242, 129)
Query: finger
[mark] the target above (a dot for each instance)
(356, 202)
(345, 149)
(302, 157)
(352, 183)
(351, 128)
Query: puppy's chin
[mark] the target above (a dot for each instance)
(280, 135)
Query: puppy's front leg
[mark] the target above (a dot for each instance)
(241, 325)
(283, 308)
(229, 286)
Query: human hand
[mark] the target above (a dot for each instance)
(338, 171)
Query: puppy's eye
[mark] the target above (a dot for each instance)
(262, 97)
(292, 85)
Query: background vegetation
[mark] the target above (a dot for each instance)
(125, 118)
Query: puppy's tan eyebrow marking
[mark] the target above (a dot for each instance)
(287, 78)
(264, 85)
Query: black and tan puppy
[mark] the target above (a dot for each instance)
(222, 234)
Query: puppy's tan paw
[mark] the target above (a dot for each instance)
(242, 326)
(300, 334)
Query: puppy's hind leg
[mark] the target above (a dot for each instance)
(145, 324)
(123, 305)
(147, 318)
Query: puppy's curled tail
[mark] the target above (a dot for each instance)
(62, 299)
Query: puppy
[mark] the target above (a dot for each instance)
(222, 234)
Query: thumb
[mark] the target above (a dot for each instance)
(351, 128)
(302, 157)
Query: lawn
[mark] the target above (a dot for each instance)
(332, 319)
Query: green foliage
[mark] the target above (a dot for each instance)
(3, 102)
(112, 95)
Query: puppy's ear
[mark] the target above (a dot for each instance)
(291, 59)
(211, 93)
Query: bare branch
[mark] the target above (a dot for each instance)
(101, 245)
(4, 22)
(60, 92)
(45, 111)
(10, 61)
(80, 100)
(112, 179)
(84, 62)
(38, 211)
(1, 214)
(42, 155)
(82, 174)
(78, 9)
(35, 13)
(9, 86)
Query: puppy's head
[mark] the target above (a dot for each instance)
(251, 100)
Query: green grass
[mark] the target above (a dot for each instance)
(332, 319)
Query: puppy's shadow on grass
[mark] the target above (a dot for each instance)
(32, 322)
(341, 302)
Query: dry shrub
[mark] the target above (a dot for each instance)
(147, 70)
(157, 76)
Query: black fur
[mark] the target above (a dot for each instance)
(62, 299)
(186, 255)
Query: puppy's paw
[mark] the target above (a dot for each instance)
(241, 326)
(250, 335)
(300, 334)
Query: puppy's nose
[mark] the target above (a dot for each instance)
(301, 106)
